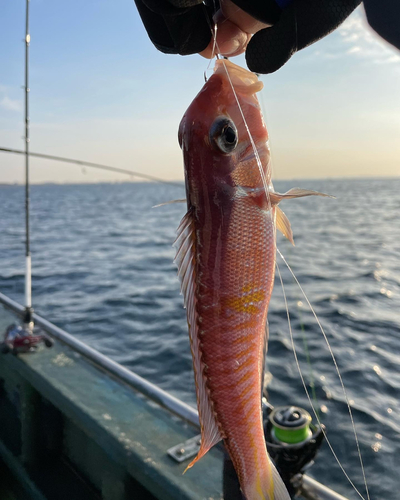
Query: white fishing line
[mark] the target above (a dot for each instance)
(337, 371)
(318, 322)
(305, 386)
(213, 54)
(266, 189)
(267, 124)
(253, 145)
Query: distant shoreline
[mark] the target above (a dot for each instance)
(16, 184)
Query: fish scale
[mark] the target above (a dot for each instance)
(233, 334)
(226, 249)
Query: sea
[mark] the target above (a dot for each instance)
(102, 263)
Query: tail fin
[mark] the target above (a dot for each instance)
(266, 486)
(280, 491)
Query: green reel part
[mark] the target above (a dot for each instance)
(290, 424)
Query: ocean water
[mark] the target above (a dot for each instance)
(103, 271)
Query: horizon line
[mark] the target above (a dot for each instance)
(182, 181)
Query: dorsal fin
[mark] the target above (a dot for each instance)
(185, 259)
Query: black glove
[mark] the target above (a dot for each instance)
(177, 26)
(184, 26)
(300, 24)
(384, 17)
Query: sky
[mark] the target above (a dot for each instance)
(101, 92)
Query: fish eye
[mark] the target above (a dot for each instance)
(223, 135)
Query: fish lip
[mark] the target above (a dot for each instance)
(247, 80)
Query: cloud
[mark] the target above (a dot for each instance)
(364, 43)
(6, 102)
(354, 49)
(355, 38)
(10, 104)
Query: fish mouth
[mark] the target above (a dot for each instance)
(244, 81)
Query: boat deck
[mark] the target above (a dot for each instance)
(76, 425)
(70, 430)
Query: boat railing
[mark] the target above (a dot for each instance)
(163, 398)
(312, 489)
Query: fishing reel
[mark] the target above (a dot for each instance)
(292, 442)
(22, 339)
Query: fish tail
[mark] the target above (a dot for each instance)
(268, 486)
(279, 489)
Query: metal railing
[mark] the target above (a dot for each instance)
(312, 489)
(163, 398)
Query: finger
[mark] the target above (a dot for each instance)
(176, 31)
(156, 29)
(271, 48)
(234, 29)
(300, 25)
(231, 40)
(242, 19)
(265, 11)
(384, 18)
(191, 31)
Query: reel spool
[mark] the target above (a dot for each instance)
(292, 442)
(290, 425)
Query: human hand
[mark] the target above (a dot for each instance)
(269, 34)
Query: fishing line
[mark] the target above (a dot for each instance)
(258, 160)
(214, 35)
(311, 376)
(266, 189)
(336, 367)
(267, 124)
(304, 383)
(328, 344)
(308, 357)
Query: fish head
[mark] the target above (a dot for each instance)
(214, 135)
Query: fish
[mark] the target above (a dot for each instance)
(225, 254)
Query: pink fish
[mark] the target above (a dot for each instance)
(226, 250)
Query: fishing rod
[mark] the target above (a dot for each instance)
(93, 165)
(27, 337)
(28, 269)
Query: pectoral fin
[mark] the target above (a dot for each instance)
(283, 224)
(295, 193)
